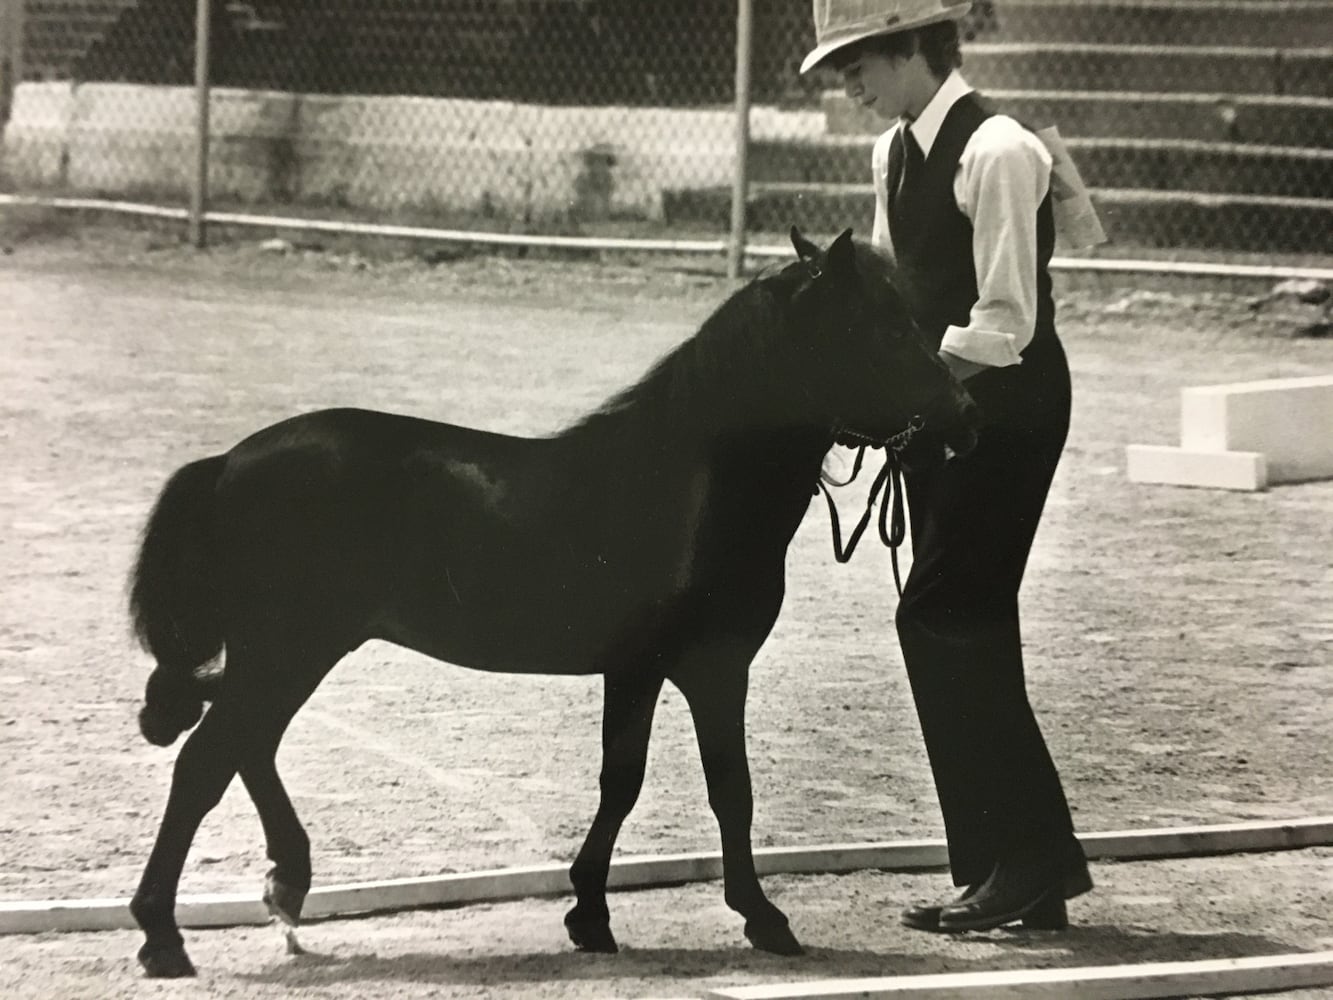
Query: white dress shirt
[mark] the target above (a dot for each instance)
(1003, 175)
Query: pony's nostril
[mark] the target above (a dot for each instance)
(962, 437)
(966, 441)
(969, 414)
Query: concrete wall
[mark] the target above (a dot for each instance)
(382, 153)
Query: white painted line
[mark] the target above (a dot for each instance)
(1129, 265)
(96, 205)
(373, 229)
(1274, 272)
(518, 822)
(1200, 841)
(218, 910)
(203, 910)
(467, 235)
(1107, 982)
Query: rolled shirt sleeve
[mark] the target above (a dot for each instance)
(879, 174)
(1003, 175)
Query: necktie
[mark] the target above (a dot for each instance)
(905, 164)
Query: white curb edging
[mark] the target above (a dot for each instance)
(233, 909)
(1107, 982)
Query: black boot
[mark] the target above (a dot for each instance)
(926, 916)
(1031, 886)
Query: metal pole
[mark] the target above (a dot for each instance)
(199, 189)
(740, 183)
(11, 54)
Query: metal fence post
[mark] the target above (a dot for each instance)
(11, 54)
(740, 183)
(199, 188)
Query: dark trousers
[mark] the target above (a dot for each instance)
(973, 520)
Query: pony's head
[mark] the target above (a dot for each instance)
(862, 362)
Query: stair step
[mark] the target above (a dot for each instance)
(1131, 217)
(1155, 164)
(1224, 222)
(1265, 120)
(58, 32)
(1158, 68)
(1290, 24)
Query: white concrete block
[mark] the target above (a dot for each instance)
(1203, 418)
(383, 152)
(33, 143)
(1227, 470)
(1288, 420)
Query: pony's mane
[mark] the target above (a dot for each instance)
(745, 339)
(874, 263)
(742, 336)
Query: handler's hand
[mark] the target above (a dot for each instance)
(961, 368)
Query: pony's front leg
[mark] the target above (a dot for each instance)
(715, 689)
(627, 721)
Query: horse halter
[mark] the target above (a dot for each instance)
(892, 516)
(895, 443)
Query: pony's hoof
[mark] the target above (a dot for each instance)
(165, 962)
(775, 938)
(283, 901)
(290, 944)
(591, 935)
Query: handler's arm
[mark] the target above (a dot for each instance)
(879, 168)
(1002, 178)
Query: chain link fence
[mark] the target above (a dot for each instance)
(1200, 125)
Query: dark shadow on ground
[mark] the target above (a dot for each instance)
(1081, 946)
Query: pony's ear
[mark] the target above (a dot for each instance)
(804, 248)
(842, 255)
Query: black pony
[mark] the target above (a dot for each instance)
(645, 543)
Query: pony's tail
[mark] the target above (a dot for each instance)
(173, 600)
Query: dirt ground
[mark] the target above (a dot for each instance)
(1180, 642)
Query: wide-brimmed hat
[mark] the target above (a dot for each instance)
(839, 23)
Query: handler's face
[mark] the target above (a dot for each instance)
(878, 82)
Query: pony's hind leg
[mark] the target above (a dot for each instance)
(627, 721)
(239, 733)
(205, 766)
(288, 845)
(714, 686)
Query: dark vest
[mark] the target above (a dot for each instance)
(934, 248)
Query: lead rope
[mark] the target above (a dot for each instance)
(892, 517)
(897, 524)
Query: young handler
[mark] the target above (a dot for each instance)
(962, 202)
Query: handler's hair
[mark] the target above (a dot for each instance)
(939, 43)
